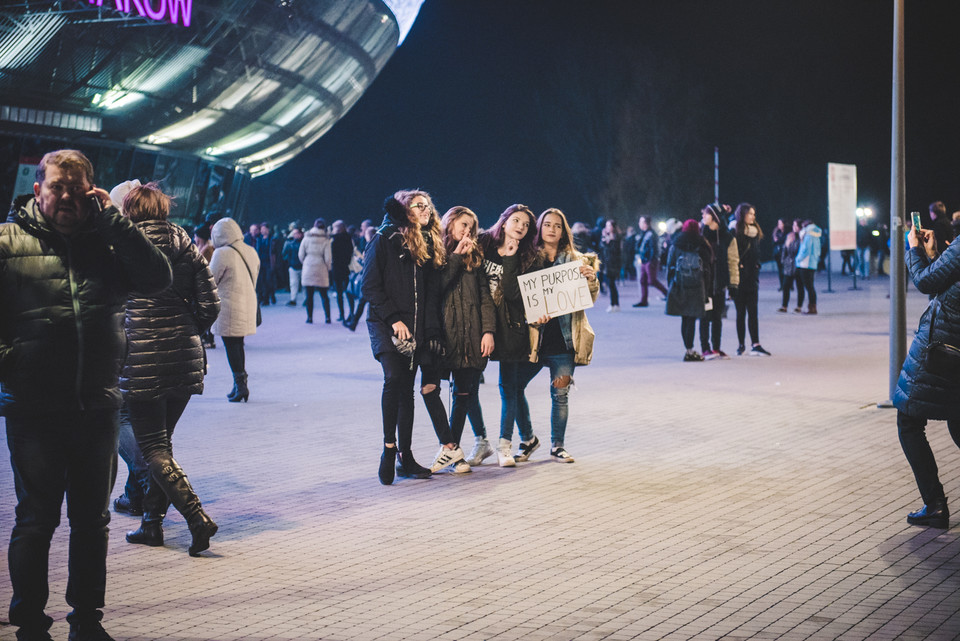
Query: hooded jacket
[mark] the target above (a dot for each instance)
(164, 354)
(231, 261)
(921, 393)
(809, 253)
(689, 300)
(467, 312)
(61, 308)
(316, 256)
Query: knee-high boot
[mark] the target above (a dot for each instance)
(240, 391)
(173, 481)
(155, 506)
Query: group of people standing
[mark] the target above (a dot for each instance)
(445, 298)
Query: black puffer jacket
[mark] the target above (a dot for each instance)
(61, 308)
(397, 289)
(919, 393)
(164, 353)
(468, 313)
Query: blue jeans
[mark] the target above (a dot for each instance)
(72, 453)
(137, 473)
(517, 377)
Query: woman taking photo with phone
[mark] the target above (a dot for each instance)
(508, 250)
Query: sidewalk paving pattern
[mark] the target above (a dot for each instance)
(754, 498)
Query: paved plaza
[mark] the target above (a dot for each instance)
(754, 498)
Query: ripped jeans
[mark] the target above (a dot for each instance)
(514, 378)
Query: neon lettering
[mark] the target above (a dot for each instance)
(176, 11)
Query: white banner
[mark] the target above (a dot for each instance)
(555, 291)
(842, 202)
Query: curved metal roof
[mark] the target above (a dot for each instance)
(246, 82)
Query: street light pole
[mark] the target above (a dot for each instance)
(898, 281)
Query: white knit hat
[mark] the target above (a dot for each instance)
(118, 193)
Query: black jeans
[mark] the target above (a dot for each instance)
(324, 300)
(746, 303)
(396, 400)
(788, 281)
(430, 375)
(72, 453)
(341, 286)
(614, 293)
(711, 325)
(153, 423)
(236, 357)
(466, 385)
(806, 277)
(688, 325)
(913, 440)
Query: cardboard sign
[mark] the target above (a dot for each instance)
(554, 291)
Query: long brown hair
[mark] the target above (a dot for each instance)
(741, 215)
(566, 238)
(146, 202)
(413, 234)
(528, 248)
(475, 258)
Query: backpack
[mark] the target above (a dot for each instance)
(689, 270)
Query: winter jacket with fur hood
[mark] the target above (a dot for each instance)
(164, 354)
(317, 258)
(238, 295)
(61, 308)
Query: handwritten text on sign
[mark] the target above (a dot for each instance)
(555, 291)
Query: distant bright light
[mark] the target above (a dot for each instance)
(662, 226)
(864, 212)
(405, 12)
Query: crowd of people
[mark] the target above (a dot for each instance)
(108, 308)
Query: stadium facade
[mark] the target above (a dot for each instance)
(201, 95)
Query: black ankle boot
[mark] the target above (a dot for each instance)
(201, 528)
(240, 393)
(387, 460)
(409, 468)
(150, 533)
(934, 515)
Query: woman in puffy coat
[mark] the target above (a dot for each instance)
(689, 277)
(403, 319)
(929, 383)
(235, 266)
(165, 365)
(317, 257)
(509, 248)
(469, 323)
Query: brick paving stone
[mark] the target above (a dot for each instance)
(755, 498)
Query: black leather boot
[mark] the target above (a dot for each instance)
(409, 468)
(155, 506)
(934, 515)
(149, 533)
(173, 480)
(241, 392)
(387, 461)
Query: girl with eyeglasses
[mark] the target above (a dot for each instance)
(508, 250)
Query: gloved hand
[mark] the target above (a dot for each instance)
(435, 346)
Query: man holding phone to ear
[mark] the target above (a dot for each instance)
(68, 261)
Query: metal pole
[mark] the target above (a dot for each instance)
(898, 281)
(716, 175)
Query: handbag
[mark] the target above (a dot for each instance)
(252, 280)
(942, 359)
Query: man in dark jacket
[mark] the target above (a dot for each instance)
(68, 260)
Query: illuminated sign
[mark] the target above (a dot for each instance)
(172, 10)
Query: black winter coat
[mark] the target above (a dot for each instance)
(164, 353)
(512, 340)
(397, 289)
(749, 248)
(920, 393)
(341, 250)
(468, 313)
(719, 241)
(61, 308)
(689, 300)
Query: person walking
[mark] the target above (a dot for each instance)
(68, 261)
(928, 387)
(165, 365)
(316, 255)
(234, 267)
(648, 254)
(509, 248)
(746, 294)
(690, 278)
(291, 255)
(341, 253)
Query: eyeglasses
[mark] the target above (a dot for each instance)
(420, 206)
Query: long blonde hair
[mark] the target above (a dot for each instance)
(475, 258)
(413, 234)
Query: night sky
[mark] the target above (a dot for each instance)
(614, 108)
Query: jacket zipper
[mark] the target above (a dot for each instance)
(75, 299)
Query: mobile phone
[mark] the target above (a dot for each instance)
(915, 215)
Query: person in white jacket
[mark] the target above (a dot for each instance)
(316, 254)
(235, 266)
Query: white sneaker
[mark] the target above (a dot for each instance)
(613, 308)
(461, 467)
(481, 450)
(503, 454)
(446, 457)
(560, 455)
